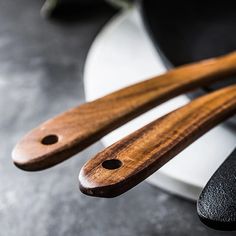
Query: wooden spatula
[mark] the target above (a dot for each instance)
(217, 203)
(63, 136)
(132, 159)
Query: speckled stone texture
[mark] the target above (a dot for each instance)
(41, 67)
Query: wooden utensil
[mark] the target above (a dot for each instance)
(63, 136)
(132, 159)
(217, 203)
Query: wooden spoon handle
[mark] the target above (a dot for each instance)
(132, 159)
(63, 136)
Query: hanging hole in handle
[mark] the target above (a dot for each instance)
(50, 139)
(112, 164)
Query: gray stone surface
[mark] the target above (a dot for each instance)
(41, 66)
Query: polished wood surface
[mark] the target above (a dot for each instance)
(132, 159)
(63, 136)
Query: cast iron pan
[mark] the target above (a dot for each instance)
(190, 31)
(217, 203)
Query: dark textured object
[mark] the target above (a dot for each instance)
(189, 32)
(217, 203)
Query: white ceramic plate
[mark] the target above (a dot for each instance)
(122, 54)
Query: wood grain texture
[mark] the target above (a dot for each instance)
(132, 159)
(78, 128)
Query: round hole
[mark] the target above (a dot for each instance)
(112, 164)
(50, 139)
